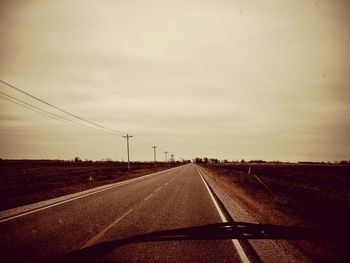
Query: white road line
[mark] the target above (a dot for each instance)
(81, 196)
(55, 204)
(237, 245)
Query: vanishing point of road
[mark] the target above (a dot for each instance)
(170, 199)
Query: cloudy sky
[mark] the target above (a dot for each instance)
(227, 79)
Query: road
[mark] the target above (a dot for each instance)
(171, 199)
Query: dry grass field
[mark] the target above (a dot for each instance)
(24, 181)
(293, 194)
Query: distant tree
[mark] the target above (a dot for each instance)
(77, 159)
(257, 161)
(198, 160)
(205, 160)
(242, 161)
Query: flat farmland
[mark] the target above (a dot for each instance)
(292, 194)
(25, 181)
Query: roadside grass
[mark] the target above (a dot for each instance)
(25, 181)
(293, 194)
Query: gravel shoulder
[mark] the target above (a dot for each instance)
(260, 208)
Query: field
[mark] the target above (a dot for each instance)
(26, 181)
(292, 194)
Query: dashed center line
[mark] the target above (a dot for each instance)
(158, 189)
(169, 181)
(97, 237)
(148, 197)
(104, 231)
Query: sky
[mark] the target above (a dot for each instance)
(226, 79)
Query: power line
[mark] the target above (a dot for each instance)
(58, 117)
(64, 120)
(47, 113)
(60, 109)
(141, 141)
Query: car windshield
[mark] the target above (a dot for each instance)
(174, 131)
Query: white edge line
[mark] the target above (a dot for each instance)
(81, 196)
(243, 256)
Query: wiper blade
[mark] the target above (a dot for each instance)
(221, 231)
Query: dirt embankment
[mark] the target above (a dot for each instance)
(25, 182)
(293, 194)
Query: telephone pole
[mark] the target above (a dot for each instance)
(127, 147)
(166, 158)
(154, 153)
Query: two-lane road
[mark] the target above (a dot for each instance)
(171, 199)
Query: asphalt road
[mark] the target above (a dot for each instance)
(168, 200)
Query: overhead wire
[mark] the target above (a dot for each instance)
(141, 141)
(60, 109)
(58, 117)
(47, 113)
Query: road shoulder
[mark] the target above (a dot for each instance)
(267, 250)
(31, 208)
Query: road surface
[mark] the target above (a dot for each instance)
(170, 199)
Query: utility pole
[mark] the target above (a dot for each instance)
(154, 153)
(127, 147)
(166, 158)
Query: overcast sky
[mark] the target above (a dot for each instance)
(227, 79)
